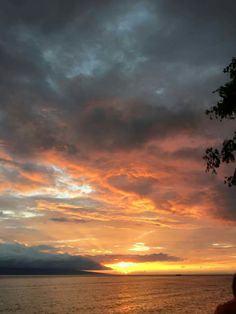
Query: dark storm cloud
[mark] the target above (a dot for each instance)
(141, 185)
(17, 257)
(156, 257)
(109, 128)
(57, 60)
(17, 177)
(187, 153)
(223, 203)
(204, 26)
(80, 77)
(27, 167)
(47, 15)
(65, 220)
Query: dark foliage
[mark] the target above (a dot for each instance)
(224, 109)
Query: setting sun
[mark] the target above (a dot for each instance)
(123, 267)
(168, 267)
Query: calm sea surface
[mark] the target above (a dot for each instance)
(105, 295)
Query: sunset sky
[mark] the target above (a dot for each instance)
(102, 133)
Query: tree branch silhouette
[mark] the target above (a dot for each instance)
(224, 109)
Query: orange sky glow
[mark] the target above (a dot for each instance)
(99, 213)
(102, 136)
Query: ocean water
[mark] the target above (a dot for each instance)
(113, 294)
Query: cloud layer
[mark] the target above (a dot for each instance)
(158, 257)
(40, 259)
(102, 124)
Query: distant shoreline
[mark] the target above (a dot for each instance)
(95, 274)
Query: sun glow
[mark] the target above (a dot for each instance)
(133, 267)
(122, 267)
(168, 268)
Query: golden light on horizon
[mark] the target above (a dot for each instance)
(167, 268)
(145, 267)
(122, 267)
